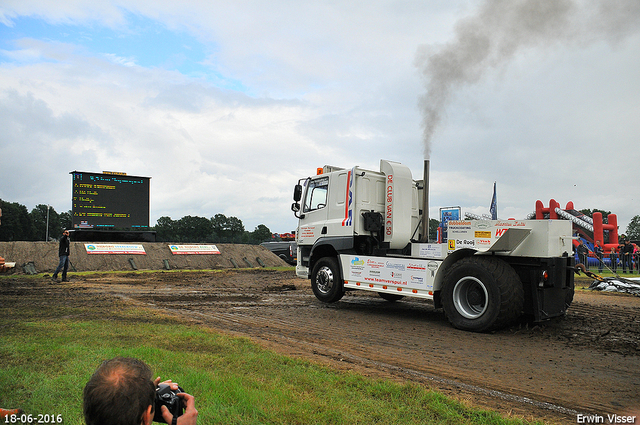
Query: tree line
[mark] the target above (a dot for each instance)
(19, 224)
(217, 229)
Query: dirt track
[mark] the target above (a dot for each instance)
(587, 363)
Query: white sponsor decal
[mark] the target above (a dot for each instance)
(194, 249)
(112, 248)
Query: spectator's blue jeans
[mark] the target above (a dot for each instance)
(64, 266)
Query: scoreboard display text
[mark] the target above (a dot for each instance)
(110, 201)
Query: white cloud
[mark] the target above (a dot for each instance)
(293, 86)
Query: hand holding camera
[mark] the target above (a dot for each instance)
(172, 403)
(168, 398)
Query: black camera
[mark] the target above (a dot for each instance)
(165, 396)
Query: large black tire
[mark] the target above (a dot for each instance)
(481, 293)
(390, 297)
(326, 280)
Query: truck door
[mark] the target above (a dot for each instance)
(314, 211)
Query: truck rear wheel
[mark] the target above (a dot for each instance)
(482, 293)
(326, 280)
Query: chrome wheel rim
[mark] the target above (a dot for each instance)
(325, 279)
(470, 297)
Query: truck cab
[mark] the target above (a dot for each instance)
(356, 211)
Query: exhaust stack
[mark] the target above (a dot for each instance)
(424, 236)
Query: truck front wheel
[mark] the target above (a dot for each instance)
(481, 294)
(326, 280)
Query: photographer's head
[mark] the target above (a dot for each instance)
(120, 392)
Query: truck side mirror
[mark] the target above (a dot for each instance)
(297, 194)
(295, 207)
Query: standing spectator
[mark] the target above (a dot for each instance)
(63, 253)
(583, 254)
(597, 250)
(625, 253)
(613, 258)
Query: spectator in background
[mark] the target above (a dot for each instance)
(598, 251)
(626, 252)
(613, 258)
(583, 254)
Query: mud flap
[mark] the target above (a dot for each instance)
(553, 296)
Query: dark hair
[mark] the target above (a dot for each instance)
(118, 393)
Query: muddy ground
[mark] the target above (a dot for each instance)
(587, 363)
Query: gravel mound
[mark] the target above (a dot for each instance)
(42, 257)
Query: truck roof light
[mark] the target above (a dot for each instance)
(319, 171)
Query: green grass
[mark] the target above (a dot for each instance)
(49, 347)
(607, 273)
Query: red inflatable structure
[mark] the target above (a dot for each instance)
(591, 229)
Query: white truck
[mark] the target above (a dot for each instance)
(365, 230)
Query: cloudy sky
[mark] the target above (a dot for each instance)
(225, 105)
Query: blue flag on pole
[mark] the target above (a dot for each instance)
(494, 204)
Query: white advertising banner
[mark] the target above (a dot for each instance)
(397, 272)
(194, 249)
(114, 248)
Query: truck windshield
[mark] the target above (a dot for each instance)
(316, 194)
